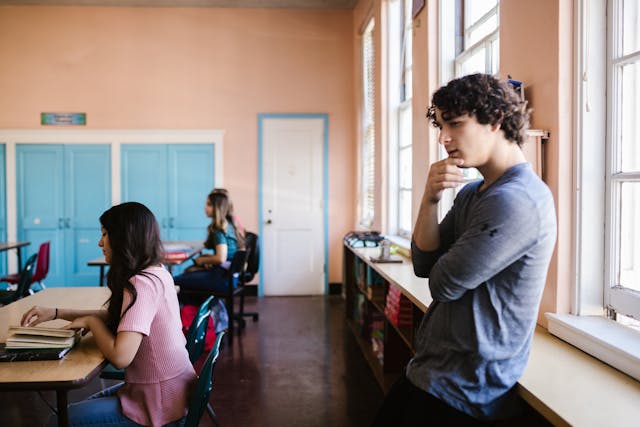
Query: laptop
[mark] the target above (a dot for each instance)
(32, 354)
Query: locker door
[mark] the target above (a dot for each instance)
(87, 196)
(144, 179)
(3, 209)
(191, 178)
(40, 203)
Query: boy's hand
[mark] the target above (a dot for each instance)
(443, 174)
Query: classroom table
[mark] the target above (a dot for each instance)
(191, 249)
(83, 363)
(7, 246)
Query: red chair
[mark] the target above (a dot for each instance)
(41, 271)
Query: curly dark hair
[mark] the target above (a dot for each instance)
(134, 237)
(490, 100)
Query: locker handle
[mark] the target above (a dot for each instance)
(171, 222)
(67, 223)
(60, 223)
(164, 222)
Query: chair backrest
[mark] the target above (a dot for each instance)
(198, 329)
(42, 266)
(253, 256)
(236, 269)
(25, 278)
(200, 397)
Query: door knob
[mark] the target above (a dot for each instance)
(268, 221)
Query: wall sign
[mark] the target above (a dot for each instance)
(64, 119)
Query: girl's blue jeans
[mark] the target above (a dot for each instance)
(101, 409)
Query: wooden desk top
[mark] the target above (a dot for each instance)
(5, 246)
(195, 247)
(78, 367)
(401, 275)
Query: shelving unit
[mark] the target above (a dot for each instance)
(386, 340)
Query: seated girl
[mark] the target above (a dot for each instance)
(223, 240)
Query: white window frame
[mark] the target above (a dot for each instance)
(617, 299)
(591, 326)
(366, 196)
(397, 41)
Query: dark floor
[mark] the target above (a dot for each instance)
(297, 366)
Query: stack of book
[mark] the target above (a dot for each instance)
(37, 343)
(398, 308)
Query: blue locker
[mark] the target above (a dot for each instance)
(61, 192)
(173, 180)
(3, 210)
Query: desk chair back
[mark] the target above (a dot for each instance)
(253, 264)
(7, 297)
(25, 277)
(253, 256)
(42, 266)
(200, 398)
(198, 329)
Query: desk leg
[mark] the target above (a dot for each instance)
(63, 414)
(101, 275)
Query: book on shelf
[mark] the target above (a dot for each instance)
(37, 337)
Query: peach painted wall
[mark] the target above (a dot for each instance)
(190, 68)
(542, 57)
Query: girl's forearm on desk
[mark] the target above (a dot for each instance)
(71, 314)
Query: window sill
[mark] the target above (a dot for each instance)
(604, 339)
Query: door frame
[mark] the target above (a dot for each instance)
(325, 187)
(115, 137)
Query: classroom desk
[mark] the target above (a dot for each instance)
(195, 247)
(76, 369)
(7, 246)
(565, 385)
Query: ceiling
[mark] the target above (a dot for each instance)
(295, 4)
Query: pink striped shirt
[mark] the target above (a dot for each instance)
(159, 380)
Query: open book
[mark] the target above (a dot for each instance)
(31, 337)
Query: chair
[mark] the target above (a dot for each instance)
(8, 296)
(200, 398)
(234, 287)
(41, 271)
(195, 339)
(253, 263)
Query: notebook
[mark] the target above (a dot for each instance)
(32, 354)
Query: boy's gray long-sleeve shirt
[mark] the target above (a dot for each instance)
(486, 280)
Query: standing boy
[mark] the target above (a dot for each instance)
(486, 262)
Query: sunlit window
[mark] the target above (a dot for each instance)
(367, 155)
(622, 295)
(400, 117)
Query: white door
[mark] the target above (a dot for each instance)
(293, 256)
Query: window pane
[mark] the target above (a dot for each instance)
(630, 112)
(404, 168)
(475, 9)
(473, 64)
(495, 57)
(629, 263)
(404, 210)
(482, 30)
(630, 26)
(404, 127)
